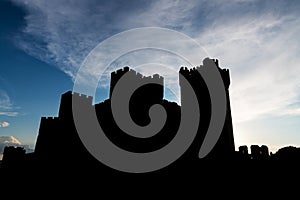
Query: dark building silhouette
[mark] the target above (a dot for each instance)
(224, 149)
(243, 150)
(13, 156)
(288, 153)
(58, 144)
(259, 152)
(264, 151)
(243, 153)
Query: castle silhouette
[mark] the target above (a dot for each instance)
(58, 144)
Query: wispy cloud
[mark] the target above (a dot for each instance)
(6, 106)
(4, 124)
(9, 114)
(64, 32)
(5, 102)
(257, 40)
(263, 58)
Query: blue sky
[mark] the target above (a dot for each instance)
(42, 44)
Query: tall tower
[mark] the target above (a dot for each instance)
(150, 91)
(224, 147)
(58, 143)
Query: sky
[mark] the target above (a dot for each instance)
(43, 44)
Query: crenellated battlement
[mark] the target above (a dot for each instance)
(206, 62)
(46, 120)
(8, 149)
(82, 96)
(135, 77)
(216, 61)
(65, 109)
(189, 73)
(50, 118)
(121, 72)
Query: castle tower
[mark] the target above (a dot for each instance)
(150, 91)
(65, 108)
(57, 139)
(156, 91)
(225, 145)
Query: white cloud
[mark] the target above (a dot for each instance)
(262, 57)
(173, 14)
(257, 41)
(8, 141)
(64, 32)
(4, 124)
(9, 114)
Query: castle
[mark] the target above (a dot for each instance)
(58, 143)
